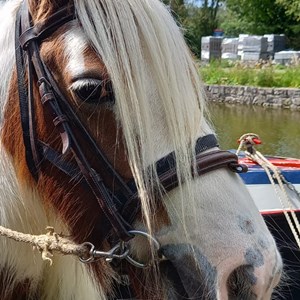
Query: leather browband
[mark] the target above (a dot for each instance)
(121, 209)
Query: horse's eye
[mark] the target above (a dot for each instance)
(93, 91)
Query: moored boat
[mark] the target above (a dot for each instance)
(263, 191)
(274, 183)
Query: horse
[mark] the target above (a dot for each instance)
(105, 137)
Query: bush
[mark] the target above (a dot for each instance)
(262, 74)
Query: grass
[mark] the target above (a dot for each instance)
(262, 74)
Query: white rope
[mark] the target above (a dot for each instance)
(287, 205)
(47, 243)
(248, 137)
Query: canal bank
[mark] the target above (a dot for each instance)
(288, 98)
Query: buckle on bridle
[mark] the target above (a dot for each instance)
(117, 252)
(122, 251)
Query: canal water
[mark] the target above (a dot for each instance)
(279, 129)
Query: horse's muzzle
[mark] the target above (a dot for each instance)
(192, 276)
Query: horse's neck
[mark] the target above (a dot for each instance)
(21, 209)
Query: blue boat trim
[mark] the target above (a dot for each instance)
(259, 176)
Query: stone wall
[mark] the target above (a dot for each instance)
(268, 97)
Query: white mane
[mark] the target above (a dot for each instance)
(140, 42)
(7, 45)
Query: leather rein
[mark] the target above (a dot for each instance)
(120, 210)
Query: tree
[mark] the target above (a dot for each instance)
(260, 17)
(292, 7)
(178, 9)
(198, 18)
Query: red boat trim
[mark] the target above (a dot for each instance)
(277, 211)
(276, 161)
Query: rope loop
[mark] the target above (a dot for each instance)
(52, 242)
(277, 180)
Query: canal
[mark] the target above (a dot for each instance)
(279, 129)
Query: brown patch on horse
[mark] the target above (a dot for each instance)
(12, 136)
(41, 9)
(71, 198)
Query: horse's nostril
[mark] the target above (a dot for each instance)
(240, 283)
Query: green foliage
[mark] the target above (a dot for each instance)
(200, 17)
(261, 17)
(198, 24)
(178, 9)
(257, 75)
(258, 16)
(292, 7)
(265, 78)
(196, 20)
(231, 24)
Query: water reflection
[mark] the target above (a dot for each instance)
(279, 129)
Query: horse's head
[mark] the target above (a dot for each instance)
(112, 91)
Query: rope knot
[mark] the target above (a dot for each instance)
(44, 244)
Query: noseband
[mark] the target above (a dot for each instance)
(119, 209)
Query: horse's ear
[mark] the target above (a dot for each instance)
(41, 9)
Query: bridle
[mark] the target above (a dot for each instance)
(120, 209)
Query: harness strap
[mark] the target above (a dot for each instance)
(26, 106)
(93, 179)
(73, 118)
(41, 30)
(58, 160)
(205, 163)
